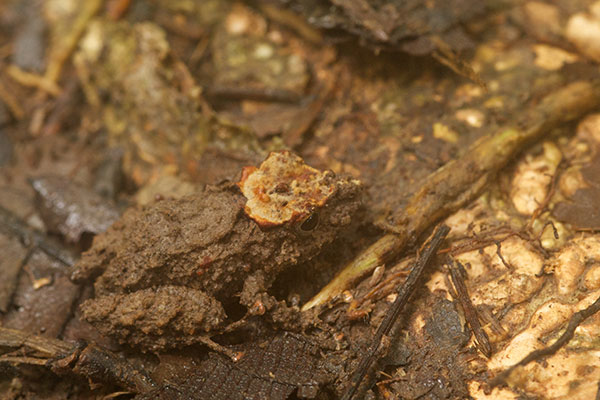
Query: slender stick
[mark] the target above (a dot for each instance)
(88, 360)
(396, 308)
(574, 322)
(64, 47)
(482, 340)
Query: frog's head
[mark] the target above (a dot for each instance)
(285, 192)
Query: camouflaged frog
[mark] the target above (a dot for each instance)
(163, 271)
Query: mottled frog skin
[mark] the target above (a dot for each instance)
(162, 271)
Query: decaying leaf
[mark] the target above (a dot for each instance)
(270, 369)
(408, 25)
(71, 209)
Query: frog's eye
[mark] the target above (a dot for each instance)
(310, 223)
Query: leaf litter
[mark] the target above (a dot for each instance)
(389, 120)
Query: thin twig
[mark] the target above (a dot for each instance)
(218, 92)
(551, 190)
(396, 308)
(500, 256)
(14, 338)
(291, 20)
(88, 360)
(64, 47)
(574, 322)
(23, 360)
(471, 315)
(30, 79)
